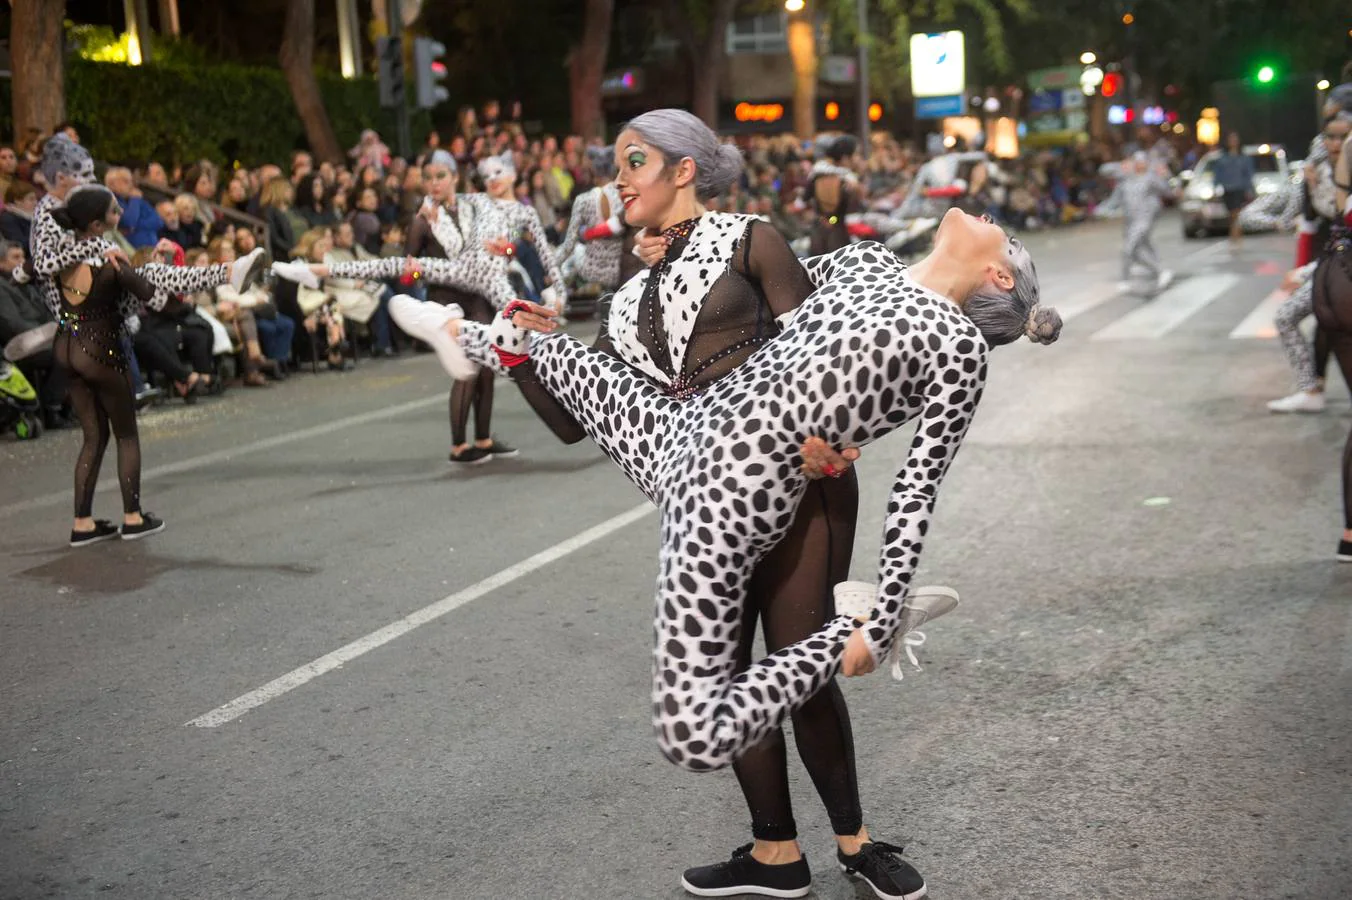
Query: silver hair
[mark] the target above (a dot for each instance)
(1005, 316)
(441, 158)
(680, 134)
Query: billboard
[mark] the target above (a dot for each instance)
(938, 64)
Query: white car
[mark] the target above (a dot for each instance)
(1203, 203)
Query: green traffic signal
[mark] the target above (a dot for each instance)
(1266, 74)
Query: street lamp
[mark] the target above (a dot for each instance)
(793, 5)
(1323, 85)
(1088, 58)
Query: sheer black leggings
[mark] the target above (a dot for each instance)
(1332, 300)
(791, 595)
(475, 395)
(102, 398)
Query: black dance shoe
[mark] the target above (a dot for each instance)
(103, 530)
(1345, 551)
(149, 525)
(744, 875)
(881, 867)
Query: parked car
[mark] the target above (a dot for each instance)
(1203, 205)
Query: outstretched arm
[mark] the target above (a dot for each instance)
(950, 400)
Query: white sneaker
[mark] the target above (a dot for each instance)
(1300, 401)
(426, 321)
(1126, 287)
(299, 272)
(26, 343)
(1165, 279)
(245, 271)
(856, 599)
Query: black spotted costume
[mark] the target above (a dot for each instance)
(866, 353)
(595, 261)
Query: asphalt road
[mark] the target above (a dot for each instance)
(1145, 693)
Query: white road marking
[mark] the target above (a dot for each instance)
(1082, 301)
(1170, 309)
(1259, 323)
(330, 661)
(219, 456)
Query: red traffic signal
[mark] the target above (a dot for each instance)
(1112, 84)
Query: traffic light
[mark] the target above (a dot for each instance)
(1112, 84)
(390, 56)
(430, 71)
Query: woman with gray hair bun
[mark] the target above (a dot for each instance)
(709, 406)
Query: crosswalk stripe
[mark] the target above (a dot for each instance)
(1259, 324)
(1082, 302)
(1170, 309)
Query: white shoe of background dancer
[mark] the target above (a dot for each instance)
(427, 322)
(1300, 401)
(298, 272)
(245, 271)
(1165, 279)
(856, 599)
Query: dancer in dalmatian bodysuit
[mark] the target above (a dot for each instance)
(1140, 194)
(530, 246)
(66, 166)
(460, 227)
(869, 351)
(594, 245)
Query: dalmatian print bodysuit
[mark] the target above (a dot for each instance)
(866, 353)
(55, 249)
(599, 260)
(461, 234)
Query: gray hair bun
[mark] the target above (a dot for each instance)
(1043, 326)
(679, 133)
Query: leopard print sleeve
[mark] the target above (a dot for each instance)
(951, 398)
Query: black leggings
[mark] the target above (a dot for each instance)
(477, 394)
(101, 396)
(791, 594)
(1332, 300)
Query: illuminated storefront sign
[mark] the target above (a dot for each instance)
(938, 64)
(758, 112)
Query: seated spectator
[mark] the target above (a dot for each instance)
(236, 194)
(201, 185)
(365, 222)
(275, 205)
(9, 168)
(156, 176)
(245, 241)
(362, 302)
(223, 305)
(313, 204)
(392, 240)
(159, 340)
(140, 224)
(16, 222)
(388, 211)
(189, 219)
(322, 319)
(274, 330)
(24, 311)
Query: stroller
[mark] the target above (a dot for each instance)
(18, 403)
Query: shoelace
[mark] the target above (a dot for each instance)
(908, 641)
(881, 852)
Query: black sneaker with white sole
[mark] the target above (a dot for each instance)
(744, 875)
(1345, 551)
(471, 456)
(103, 530)
(881, 867)
(501, 450)
(149, 525)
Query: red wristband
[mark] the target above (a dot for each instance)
(510, 360)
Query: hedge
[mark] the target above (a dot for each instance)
(224, 112)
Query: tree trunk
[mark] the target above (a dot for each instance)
(709, 61)
(587, 66)
(803, 51)
(39, 86)
(297, 61)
